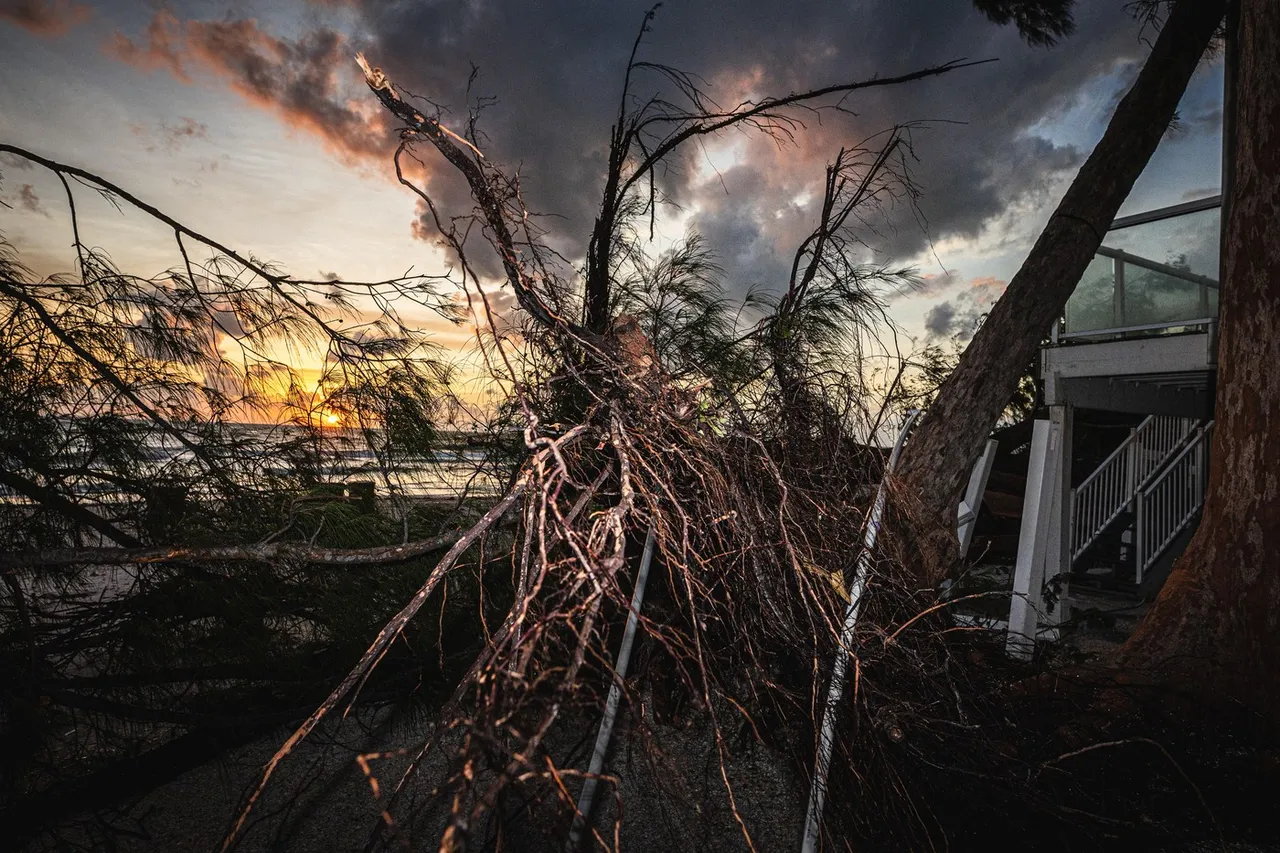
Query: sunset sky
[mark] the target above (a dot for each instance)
(249, 122)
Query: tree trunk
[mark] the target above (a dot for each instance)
(936, 462)
(1217, 619)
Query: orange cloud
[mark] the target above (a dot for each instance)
(987, 289)
(299, 81)
(161, 51)
(44, 18)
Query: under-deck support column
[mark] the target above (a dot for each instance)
(1043, 540)
(1057, 567)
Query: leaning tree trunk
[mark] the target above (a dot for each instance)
(936, 462)
(1218, 614)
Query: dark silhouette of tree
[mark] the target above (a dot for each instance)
(1040, 22)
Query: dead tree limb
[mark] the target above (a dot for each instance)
(390, 632)
(292, 552)
(56, 502)
(472, 168)
(634, 129)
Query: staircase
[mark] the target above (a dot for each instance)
(1138, 502)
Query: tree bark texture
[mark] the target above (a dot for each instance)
(1217, 619)
(937, 459)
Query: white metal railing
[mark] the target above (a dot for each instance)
(1114, 486)
(1057, 335)
(1169, 502)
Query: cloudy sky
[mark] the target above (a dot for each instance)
(249, 122)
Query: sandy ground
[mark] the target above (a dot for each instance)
(670, 783)
(320, 800)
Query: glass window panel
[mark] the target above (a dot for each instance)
(1187, 242)
(1152, 297)
(1089, 307)
(1188, 162)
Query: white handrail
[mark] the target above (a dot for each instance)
(1114, 485)
(1167, 505)
(1146, 327)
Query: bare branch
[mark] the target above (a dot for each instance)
(482, 187)
(287, 552)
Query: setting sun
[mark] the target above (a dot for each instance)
(332, 419)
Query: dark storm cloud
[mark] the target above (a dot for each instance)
(940, 320)
(932, 284)
(555, 69)
(29, 200)
(958, 317)
(732, 211)
(26, 199)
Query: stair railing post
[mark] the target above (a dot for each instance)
(1200, 466)
(1072, 534)
(1131, 466)
(1027, 601)
(1117, 296)
(1139, 539)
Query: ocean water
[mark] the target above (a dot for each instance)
(344, 457)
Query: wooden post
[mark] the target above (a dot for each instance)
(362, 494)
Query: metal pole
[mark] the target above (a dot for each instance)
(1201, 439)
(1139, 538)
(587, 798)
(1117, 295)
(1131, 463)
(1072, 536)
(826, 736)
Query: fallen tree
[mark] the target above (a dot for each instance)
(751, 544)
(743, 450)
(752, 531)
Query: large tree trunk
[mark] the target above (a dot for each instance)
(936, 462)
(1217, 619)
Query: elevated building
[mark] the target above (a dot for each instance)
(1138, 338)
